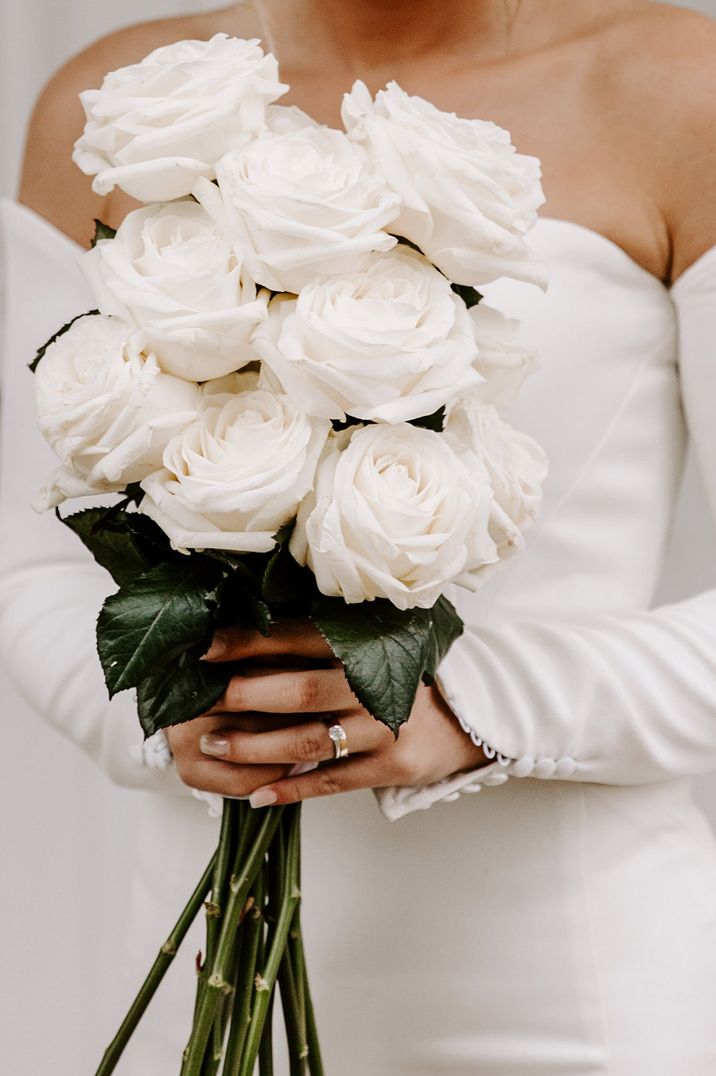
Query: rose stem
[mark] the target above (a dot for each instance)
(218, 984)
(244, 824)
(159, 969)
(245, 978)
(290, 899)
(293, 982)
(315, 1063)
(295, 1032)
(266, 1047)
(215, 906)
(236, 819)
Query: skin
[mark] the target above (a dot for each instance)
(617, 99)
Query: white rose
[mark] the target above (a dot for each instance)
(396, 515)
(468, 198)
(305, 202)
(170, 273)
(156, 126)
(237, 474)
(503, 360)
(515, 463)
(390, 343)
(107, 410)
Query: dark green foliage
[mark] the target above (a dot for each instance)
(447, 627)
(102, 231)
(470, 296)
(154, 619)
(183, 689)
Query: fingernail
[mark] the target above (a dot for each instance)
(263, 797)
(214, 745)
(219, 646)
(303, 767)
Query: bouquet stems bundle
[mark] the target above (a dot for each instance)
(252, 897)
(293, 383)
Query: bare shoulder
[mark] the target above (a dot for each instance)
(51, 184)
(663, 88)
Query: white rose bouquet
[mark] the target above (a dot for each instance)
(293, 385)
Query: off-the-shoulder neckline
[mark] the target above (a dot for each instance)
(542, 223)
(610, 244)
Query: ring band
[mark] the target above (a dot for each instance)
(339, 740)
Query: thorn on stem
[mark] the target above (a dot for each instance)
(247, 908)
(213, 910)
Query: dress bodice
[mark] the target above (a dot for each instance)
(605, 404)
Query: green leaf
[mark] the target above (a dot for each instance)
(134, 493)
(409, 243)
(60, 332)
(446, 628)
(344, 424)
(116, 550)
(470, 296)
(102, 231)
(242, 602)
(153, 619)
(284, 581)
(435, 422)
(384, 651)
(149, 537)
(181, 690)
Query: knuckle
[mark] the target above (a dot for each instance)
(307, 692)
(310, 746)
(233, 696)
(184, 769)
(406, 766)
(328, 783)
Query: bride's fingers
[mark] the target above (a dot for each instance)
(307, 742)
(209, 775)
(298, 637)
(308, 691)
(350, 775)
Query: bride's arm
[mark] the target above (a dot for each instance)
(624, 699)
(50, 588)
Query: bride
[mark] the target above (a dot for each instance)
(563, 922)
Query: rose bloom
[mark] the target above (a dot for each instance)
(468, 198)
(304, 201)
(170, 273)
(237, 474)
(395, 514)
(503, 359)
(107, 410)
(515, 463)
(391, 342)
(154, 127)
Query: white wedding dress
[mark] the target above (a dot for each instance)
(563, 921)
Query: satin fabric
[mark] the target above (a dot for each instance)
(563, 921)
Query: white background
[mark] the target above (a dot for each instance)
(67, 833)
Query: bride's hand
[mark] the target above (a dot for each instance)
(272, 719)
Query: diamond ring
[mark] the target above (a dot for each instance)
(339, 740)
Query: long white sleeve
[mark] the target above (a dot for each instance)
(50, 588)
(623, 699)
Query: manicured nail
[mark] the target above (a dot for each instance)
(263, 797)
(211, 744)
(303, 767)
(219, 646)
